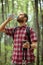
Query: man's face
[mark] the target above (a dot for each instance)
(20, 18)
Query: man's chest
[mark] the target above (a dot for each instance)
(20, 34)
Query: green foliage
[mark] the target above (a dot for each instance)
(8, 52)
(15, 6)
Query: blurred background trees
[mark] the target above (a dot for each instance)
(34, 9)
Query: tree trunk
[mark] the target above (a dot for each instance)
(42, 37)
(0, 48)
(1, 34)
(2, 10)
(12, 6)
(5, 38)
(38, 30)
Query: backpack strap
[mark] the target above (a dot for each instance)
(29, 39)
(28, 34)
(14, 31)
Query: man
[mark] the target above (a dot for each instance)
(18, 36)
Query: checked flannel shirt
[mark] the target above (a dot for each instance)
(19, 36)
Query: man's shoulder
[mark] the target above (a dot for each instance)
(30, 28)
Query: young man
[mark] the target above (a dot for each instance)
(18, 36)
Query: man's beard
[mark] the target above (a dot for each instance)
(20, 19)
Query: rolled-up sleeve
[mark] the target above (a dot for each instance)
(9, 31)
(33, 35)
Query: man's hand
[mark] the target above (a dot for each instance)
(10, 17)
(26, 45)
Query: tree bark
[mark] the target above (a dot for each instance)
(42, 37)
(38, 30)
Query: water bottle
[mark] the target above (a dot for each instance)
(13, 16)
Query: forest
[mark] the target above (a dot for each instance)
(34, 10)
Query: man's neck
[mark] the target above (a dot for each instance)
(22, 24)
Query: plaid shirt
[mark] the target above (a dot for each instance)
(19, 36)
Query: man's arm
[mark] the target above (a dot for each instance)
(2, 26)
(34, 45)
(27, 45)
(33, 40)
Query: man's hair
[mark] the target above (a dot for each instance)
(25, 15)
